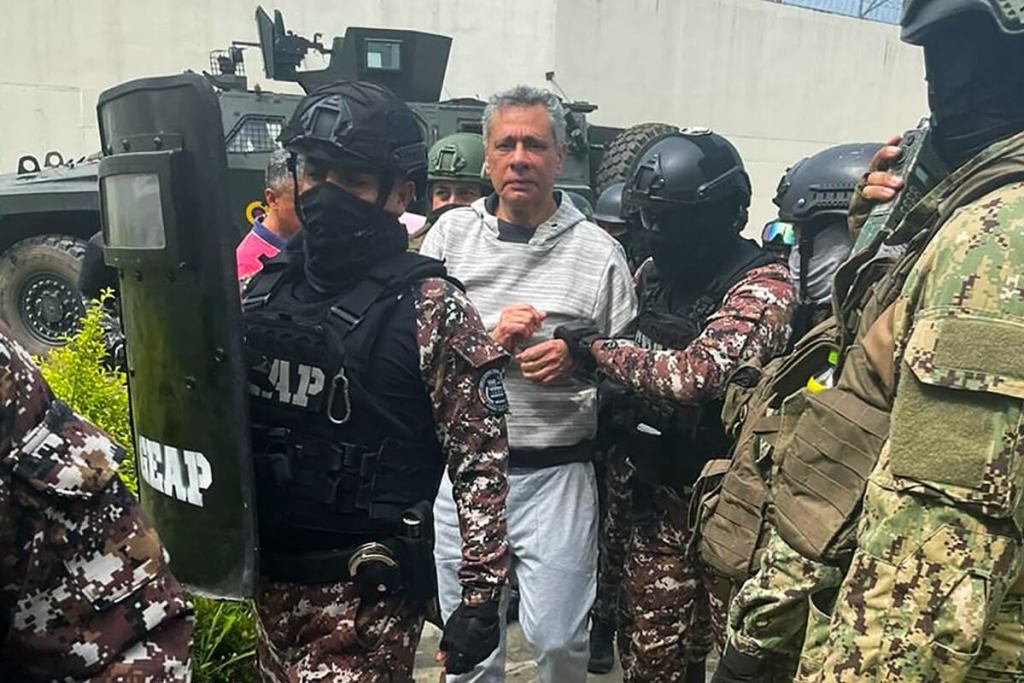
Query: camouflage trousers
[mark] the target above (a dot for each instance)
(668, 618)
(927, 597)
(330, 634)
(615, 488)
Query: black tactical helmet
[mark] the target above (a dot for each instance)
(360, 124)
(687, 167)
(920, 16)
(821, 185)
(608, 210)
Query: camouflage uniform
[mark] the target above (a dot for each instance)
(940, 542)
(83, 577)
(768, 616)
(668, 618)
(326, 632)
(616, 488)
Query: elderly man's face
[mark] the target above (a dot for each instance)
(522, 157)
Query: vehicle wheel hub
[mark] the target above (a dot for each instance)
(50, 307)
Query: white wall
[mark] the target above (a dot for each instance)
(780, 81)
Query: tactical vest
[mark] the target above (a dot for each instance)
(343, 432)
(669, 444)
(815, 449)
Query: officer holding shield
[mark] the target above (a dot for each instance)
(370, 374)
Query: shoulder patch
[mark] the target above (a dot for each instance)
(491, 388)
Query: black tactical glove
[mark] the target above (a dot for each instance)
(579, 336)
(470, 635)
(737, 667)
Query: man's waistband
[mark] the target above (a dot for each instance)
(540, 458)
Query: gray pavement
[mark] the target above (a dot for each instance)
(519, 669)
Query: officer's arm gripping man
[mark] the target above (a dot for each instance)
(85, 593)
(753, 322)
(463, 370)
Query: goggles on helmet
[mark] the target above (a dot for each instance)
(779, 232)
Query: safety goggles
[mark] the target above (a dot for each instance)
(779, 232)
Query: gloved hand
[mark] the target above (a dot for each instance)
(470, 635)
(737, 667)
(579, 336)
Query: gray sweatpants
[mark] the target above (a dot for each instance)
(552, 528)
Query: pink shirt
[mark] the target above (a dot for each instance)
(258, 242)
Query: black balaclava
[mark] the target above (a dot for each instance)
(975, 85)
(343, 236)
(692, 241)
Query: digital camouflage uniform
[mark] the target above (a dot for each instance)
(940, 542)
(667, 618)
(327, 632)
(84, 582)
(768, 616)
(922, 629)
(616, 489)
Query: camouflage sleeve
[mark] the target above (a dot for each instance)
(753, 322)
(464, 371)
(83, 575)
(768, 615)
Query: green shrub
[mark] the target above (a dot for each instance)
(79, 375)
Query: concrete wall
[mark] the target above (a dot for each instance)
(780, 81)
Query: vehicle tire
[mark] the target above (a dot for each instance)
(623, 149)
(39, 297)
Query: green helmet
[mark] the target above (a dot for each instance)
(919, 16)
(457, 157)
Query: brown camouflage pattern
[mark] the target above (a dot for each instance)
(455, 352)
(939, 548)
(83, 577)
(752, 322)
(616, 523)
(668, 618)
(329, 633)
(325, 632)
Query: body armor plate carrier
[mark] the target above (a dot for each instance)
(338, 462)
(669, 444)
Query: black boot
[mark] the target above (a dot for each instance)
(512, 612)
(602, 650)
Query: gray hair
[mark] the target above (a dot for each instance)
(528, 96)
(278, 176)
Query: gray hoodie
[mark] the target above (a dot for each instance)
(569, 269)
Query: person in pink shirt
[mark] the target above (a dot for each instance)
(271, 231)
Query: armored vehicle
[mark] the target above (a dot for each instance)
(48, 210)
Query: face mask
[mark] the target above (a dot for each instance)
(344, 235)
(688, 245)
(975, 90)
(830, 247)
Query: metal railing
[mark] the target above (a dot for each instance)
(887, 11)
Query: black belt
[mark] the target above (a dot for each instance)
(539, 458)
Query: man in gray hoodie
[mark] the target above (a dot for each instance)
(530, 262)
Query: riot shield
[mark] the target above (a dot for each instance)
(167, 229)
